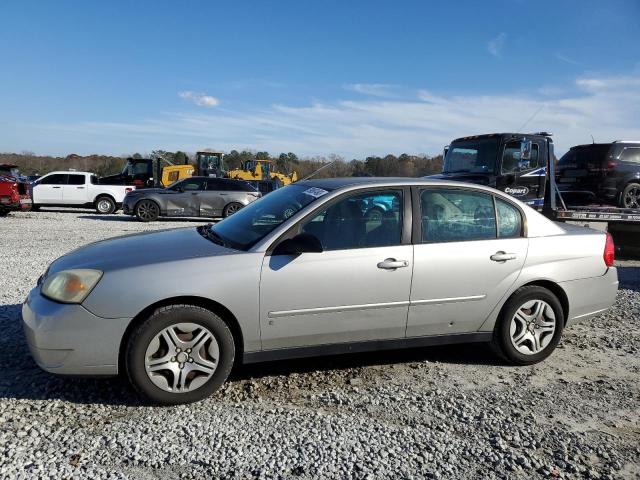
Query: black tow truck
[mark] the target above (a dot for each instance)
(523, 165)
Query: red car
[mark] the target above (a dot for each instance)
(14, 190)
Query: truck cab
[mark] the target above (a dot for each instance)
(515, 163)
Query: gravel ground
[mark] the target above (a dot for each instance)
(447, 412)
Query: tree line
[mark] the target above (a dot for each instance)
(387, 166)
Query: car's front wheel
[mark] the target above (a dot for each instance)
(529, 327)
(180, 354)
(147, 211)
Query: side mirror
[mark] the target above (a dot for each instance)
(525, 150)
(301, 243)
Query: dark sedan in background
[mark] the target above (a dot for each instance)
(191, 197)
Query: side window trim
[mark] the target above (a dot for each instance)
(407, 214)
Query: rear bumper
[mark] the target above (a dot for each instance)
(589, 297)
(68, 339)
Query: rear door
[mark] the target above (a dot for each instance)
(48, 190)
(74, 192)
(213, 198)
(523, 179)
(468, 251)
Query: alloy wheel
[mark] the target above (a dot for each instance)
(147, 210)
(532, 327)
(182, 357)
(632, 198)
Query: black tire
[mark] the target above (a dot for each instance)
(35, 208)
(162, 318)
(4, 213)
(501, 342)
(105, 205)
(231, 208)
(147, 211)
(630, 196)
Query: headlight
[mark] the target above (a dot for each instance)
(71, 286)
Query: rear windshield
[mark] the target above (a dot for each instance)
(589, 157)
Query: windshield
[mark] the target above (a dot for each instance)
(472, 156)
(246, 227)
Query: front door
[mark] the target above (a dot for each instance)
(464, 260)
(48, 190)
(520, 178)
(74, 192)
(357, 289)
(185, 202)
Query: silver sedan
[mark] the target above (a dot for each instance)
(309, 270)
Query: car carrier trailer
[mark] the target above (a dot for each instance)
(523, 165)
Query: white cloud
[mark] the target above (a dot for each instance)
(496, 45)
(372, 89)
(606, 106)
(200, 99)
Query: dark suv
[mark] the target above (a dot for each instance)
(601, 173)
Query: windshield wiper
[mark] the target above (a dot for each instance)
(215, 237)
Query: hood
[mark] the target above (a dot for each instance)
(477, 178)
(141, 249)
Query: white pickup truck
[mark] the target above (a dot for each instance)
(77, 189)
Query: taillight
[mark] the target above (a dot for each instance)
(609, 254)
(127, 190)
(611, 164)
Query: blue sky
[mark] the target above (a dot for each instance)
(351, 78)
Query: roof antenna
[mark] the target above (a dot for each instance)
(592, 139)
(531, 117)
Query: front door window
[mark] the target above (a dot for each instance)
(365, 220)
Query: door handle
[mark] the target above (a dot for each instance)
(392, 264)
(56, 187)
(79, 188)
(502, 256)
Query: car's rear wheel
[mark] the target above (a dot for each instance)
(630, 197)
(147, 211)
(180, 354)
(231, 209)
(529, 327)
(105, 205)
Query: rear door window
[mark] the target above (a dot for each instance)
(75, 179)
(630, 154)
(509, 220)
(456, 215)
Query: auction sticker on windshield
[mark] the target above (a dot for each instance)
(315, 192)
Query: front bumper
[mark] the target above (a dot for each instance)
(128, 205)
(68, 339)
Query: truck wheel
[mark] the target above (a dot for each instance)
(35, 208)
(147, 211)
(4, 213)
(529, 327)
(231, 209)
(180, 354)
(630, 197)
(105, 205)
